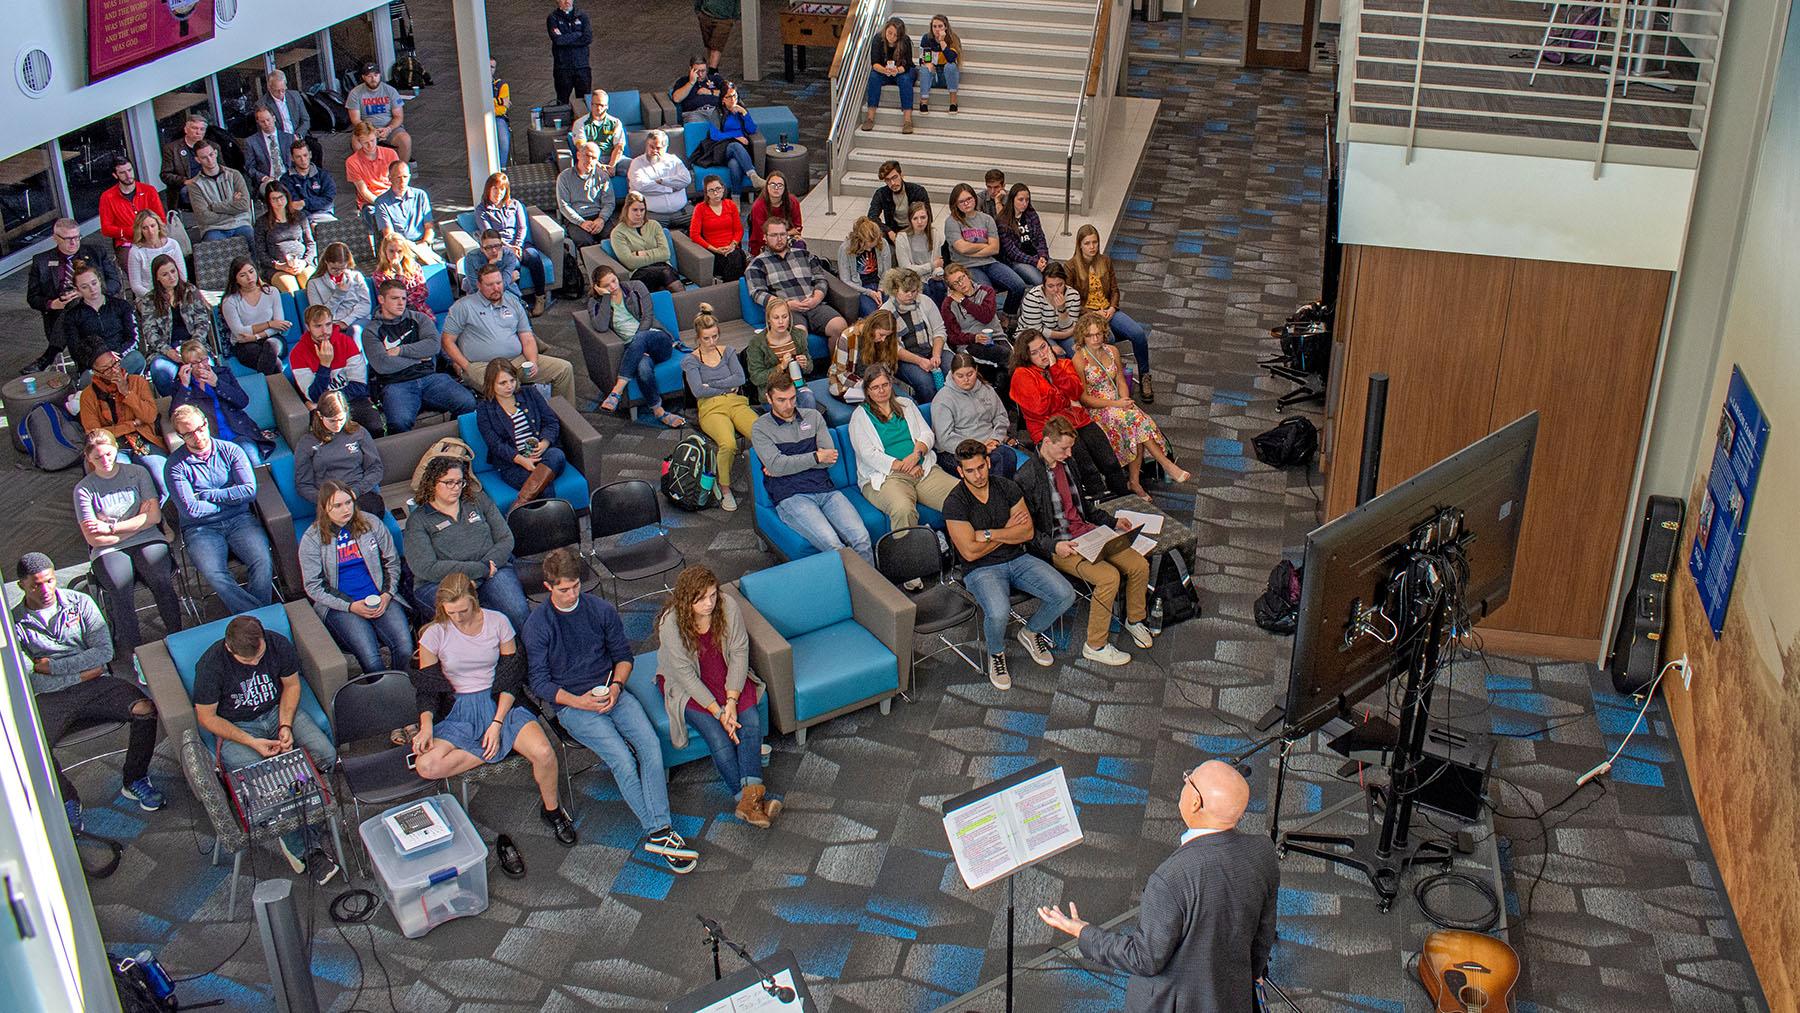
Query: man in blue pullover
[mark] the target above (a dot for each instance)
(212, 485)
(580, 659)
(794, 447)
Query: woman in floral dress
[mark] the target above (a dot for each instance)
(1130, 429)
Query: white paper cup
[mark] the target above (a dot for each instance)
(372, 601)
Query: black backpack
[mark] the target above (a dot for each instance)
(1306, 346)
(326, 108)
(1173, 597)
(690, 474)
(1278, 608)
(408, 74)
(1293, 442)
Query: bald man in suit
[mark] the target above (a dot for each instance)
(1207, 924)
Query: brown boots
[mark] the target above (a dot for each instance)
(756, 809)
(535, 484)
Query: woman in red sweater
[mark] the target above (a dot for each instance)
(718, 229)
(1045, 385)
(775, 202)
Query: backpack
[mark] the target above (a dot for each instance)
(326, 108)
(1173, 597)
(1306, 346)
(53, 439)
(447, 446)
(690, 474)
(407, 73)
(1278, 608)
(1292, 442)
(1579, 32)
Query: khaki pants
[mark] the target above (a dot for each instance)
(722, 418)
(551, 370)
(1103, 575)
(291, 283)
(900, 496)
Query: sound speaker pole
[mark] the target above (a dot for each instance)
(1009, 941)
(285, 949)
(1374, 420)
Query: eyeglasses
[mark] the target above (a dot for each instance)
(188, 434)
(117, 365)
(453, 483)
(1188, 777)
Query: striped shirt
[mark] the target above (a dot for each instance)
(524, 433)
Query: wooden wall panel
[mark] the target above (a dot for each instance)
(1433, 322)
(1580, 347)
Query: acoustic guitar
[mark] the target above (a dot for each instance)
(1468, 972)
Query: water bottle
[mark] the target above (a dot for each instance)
(31, 385)
(782, 145)
(1156, 614)
(794, 369)
(937, 378)
(537, 117)
(160, 985)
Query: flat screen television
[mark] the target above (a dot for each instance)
(123, 34)
(1351, 560)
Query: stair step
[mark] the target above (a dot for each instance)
(927, 141)
(978, 33)
(1033, 80)
(1031, 56)
(1023, 10)
(983, 99)
(1046, 193)
(990, 125)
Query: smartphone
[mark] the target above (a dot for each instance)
(412, 761)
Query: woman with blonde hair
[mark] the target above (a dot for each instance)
(716, 378)
(498, 210)
(778, 347)
(395, 261)
(469, 685)
(862, 260)
(1091, 276)
(150, 239)
(703, 668)
(642, 246)
(348, 560)
(1129, 429)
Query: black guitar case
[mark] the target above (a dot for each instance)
(1637, 645)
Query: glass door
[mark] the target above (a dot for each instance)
(1279, 33)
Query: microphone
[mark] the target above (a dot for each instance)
(713, 929)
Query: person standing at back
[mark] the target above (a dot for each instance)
(570, 35)
(1207, 924)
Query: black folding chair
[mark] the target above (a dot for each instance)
(539, 528)
(913, 553)
(368, 706)
(625, 508)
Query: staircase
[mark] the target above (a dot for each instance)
(1025, 65)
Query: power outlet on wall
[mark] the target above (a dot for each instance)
(1687, 673)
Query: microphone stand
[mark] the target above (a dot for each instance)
(716, 935)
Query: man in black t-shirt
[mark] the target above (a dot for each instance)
(247, 695)
(989, 524)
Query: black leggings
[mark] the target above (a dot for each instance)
(1095, 454)
(656, 277)
(261, 355)
(119, 573)
(97, 702)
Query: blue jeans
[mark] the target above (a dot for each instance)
(515, 476)
(211, 547)
(1127, 329)
(158, 466)
(992, 587)
(827, 521)
(251, 451)
(649, 346)
(363, 638)
(307, 736)
(501, 592)
(242, 230)
(741, 165)
(739, 763)
(401, 402)
(924, 385)
(1001, 277)
(627, 743)
(163, 371)
(947, 75)
(1033, 277)
(904, 81)
(503, 140)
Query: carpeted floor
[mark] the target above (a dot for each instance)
(1614, 901)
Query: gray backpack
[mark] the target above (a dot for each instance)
(53, 439)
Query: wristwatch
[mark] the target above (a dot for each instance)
(987, 534)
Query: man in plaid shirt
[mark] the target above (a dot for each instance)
(782, 272)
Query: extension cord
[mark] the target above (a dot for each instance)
(1649, 695)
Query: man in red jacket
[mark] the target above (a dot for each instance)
(120, 204)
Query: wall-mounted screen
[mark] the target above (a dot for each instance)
(123, 34)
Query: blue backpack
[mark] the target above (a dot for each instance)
(52, 438)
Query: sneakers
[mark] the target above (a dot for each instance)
(72, 809)
(148, 796)
(1038, 646)
(667, 843)
(1106, 654)
(914, 585)
(997, 673)
(727, 501)
(560, 824)
(1140, 635)
(755, 180)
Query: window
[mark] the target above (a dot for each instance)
(28, 203)
(87, 162)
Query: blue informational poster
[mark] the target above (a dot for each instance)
(1725, 507)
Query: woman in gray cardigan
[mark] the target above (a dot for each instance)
(351, 572)
(702, 665)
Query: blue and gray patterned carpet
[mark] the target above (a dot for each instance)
(1614, 901)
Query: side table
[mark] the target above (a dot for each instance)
(51, 385)
(1174, 537)
(794, 164)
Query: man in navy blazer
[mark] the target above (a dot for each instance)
(1207, 923)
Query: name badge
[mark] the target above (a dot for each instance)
(440, 525)
(474, 516)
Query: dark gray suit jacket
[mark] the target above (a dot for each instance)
(1204, 932)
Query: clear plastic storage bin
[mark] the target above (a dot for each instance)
(430, 887)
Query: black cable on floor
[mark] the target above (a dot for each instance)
(1422, 891)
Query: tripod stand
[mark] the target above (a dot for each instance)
(1427, 590)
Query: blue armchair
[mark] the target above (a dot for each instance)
(828, 635)
(571, 485)
(642, 685)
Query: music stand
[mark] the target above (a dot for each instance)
(742, 990)
(1004, 826)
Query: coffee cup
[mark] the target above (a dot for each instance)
(372, 601)
(794, 369)
(31, 385)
